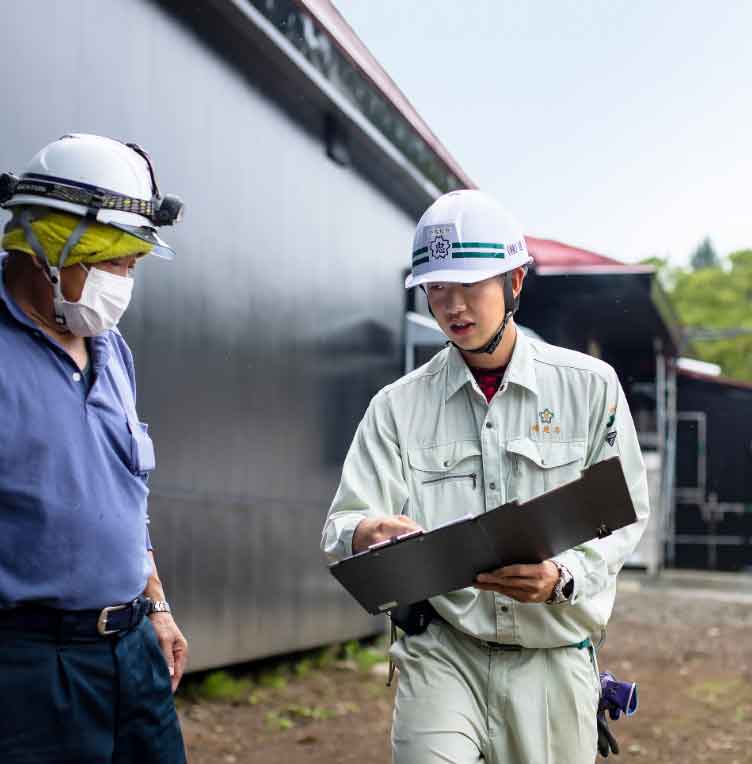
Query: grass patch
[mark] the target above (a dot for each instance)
(718, 692)
(731, 697)
(274, 679)
(222, 686)
(364, 656)
(258, 683)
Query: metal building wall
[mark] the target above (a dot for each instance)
(258, 349)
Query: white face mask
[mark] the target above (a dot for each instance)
(103, 301)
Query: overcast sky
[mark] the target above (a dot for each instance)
(624, 126)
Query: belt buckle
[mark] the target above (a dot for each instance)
(102, 620)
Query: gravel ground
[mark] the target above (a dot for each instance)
(686, 640)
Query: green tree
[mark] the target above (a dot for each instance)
(714, 298)
(704, 256)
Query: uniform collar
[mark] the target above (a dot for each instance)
(10, 303)
(99, 346)
(521, 370)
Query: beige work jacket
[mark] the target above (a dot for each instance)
(432, 448)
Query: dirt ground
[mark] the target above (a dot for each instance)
(689, 646)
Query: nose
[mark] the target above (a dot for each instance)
(455, 300)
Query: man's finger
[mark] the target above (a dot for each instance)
(526, 584)
(166, 646)
(181, 658)
(519, 571)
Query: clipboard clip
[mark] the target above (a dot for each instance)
(395, 539)
(603, 531)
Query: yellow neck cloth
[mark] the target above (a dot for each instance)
(99, 242)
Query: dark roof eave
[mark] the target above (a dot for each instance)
(667, 318)
(717, 380)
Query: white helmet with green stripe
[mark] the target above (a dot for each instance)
(464, 237)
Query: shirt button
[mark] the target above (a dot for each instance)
(492, 486)
(504, 609)
(489, 425)
(446, 463)
(76, 376)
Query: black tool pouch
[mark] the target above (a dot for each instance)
(413, 619)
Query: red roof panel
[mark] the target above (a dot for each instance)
(552, 256)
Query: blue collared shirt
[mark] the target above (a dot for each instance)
(73, 494)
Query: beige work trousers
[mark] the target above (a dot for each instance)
(460, 701)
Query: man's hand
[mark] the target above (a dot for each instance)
(524, 583)
(374, 530)
(173, 643)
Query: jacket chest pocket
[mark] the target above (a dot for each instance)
(142, 449)
(446, 482)
(537, 467)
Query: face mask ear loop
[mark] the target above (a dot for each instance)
(59, 298)
(52, 272)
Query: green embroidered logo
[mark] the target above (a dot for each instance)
(612, 416)
(546, 416)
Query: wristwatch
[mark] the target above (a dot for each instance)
(563, 588)
(157, 606)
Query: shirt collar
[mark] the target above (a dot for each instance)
(521, 370)
(10, 303)
(99, 346)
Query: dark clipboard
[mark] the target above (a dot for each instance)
(414, 567)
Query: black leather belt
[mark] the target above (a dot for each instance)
(109, 621)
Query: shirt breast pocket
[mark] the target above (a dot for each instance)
(446, 480)
(143, 459)
(537, 467)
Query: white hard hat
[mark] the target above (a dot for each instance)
(90, 175)
(463, 237)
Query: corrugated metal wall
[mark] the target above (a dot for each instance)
(258, 349)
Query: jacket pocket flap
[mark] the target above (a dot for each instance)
(442, 458)
(549, 454)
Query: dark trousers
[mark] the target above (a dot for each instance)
(86, 701)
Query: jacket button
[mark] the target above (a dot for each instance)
(492, 486)
(446, 463)
(489, 425)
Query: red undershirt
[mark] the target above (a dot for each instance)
(488, 380)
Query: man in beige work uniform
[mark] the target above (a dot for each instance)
(505, 673)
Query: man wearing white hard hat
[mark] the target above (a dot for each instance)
(505, 671)
(89, 651)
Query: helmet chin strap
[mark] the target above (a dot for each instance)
(50, 271)
(494, 342)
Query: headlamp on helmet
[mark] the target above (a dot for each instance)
(97, 178)
(8, 184)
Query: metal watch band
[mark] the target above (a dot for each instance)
(563, 588)
(159, 606)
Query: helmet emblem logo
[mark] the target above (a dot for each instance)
(439, 247)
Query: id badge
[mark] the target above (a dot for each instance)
(142, 449)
